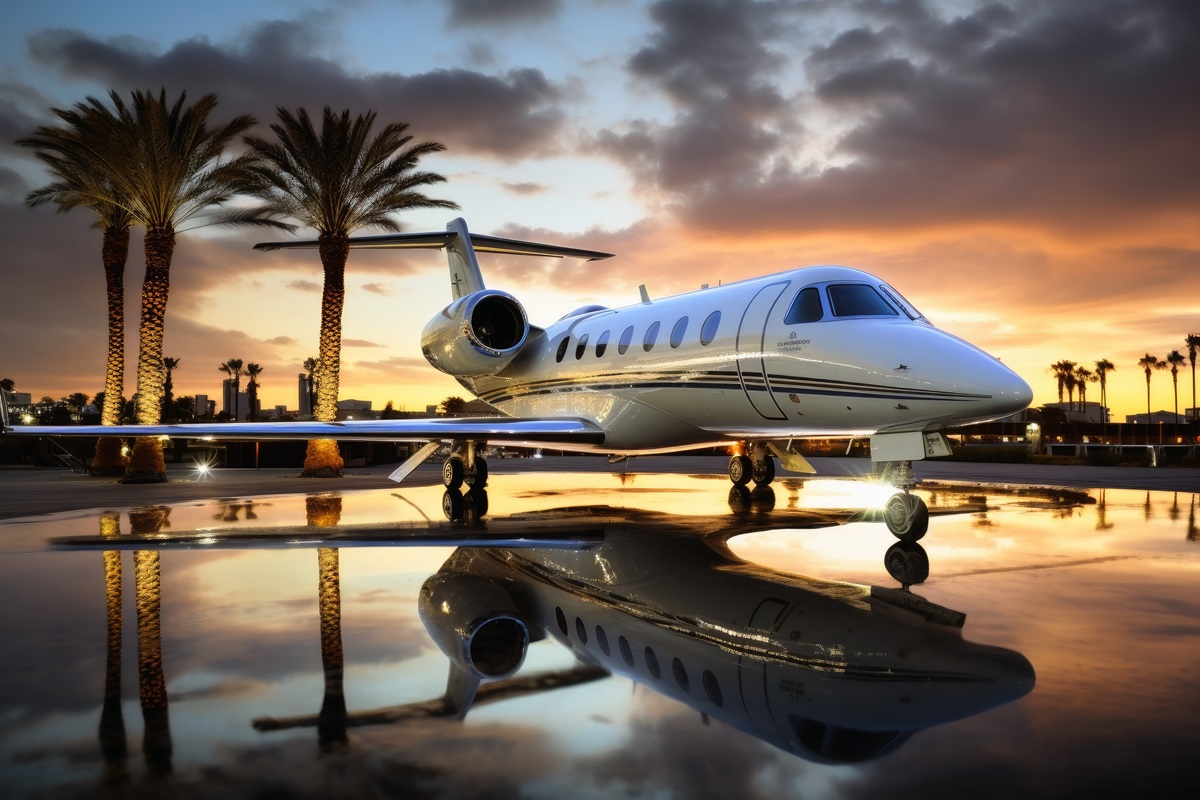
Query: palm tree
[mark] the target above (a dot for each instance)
(310, 381)
(1103, 367)
(338, 181)
(81, 180)
(1174, 359)
(233, 368)
(1193, 344)
(7, 385)
(166, 166)
(253, 370)
(1148, 363)
(169, 365)
(1083, 376)
(1062, 371)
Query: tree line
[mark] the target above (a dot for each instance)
(162, 164)
(1072, 377)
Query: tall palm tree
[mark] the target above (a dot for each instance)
(166, 165)
(1174, 359)
(1062, 371)
(337, 181)
(1193, 344)
(1149, 362)
(233, 368)
(1103, 367)
(1083, 376)
(169, 365)
(253, 371)
(81, 180)
(310, 380)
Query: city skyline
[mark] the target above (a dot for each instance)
(1023, 173)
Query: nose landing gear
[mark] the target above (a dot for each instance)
(759, 466)
(465, 467)
(905, 514)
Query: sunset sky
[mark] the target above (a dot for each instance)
(1027, 173)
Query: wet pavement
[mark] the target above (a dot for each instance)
(596, 635)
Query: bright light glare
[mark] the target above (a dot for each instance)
(203, 470)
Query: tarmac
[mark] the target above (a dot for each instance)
(35, 491)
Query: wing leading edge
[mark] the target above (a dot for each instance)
(530, 432)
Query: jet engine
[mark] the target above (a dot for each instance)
(476, 335)
(475, 623)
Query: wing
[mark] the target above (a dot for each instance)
(528, 432)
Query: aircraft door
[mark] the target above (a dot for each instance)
(752, 672)
(751, 340)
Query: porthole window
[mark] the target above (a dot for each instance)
(652, 663)
(680, 673)
(562, 349)
(626, 340)
(626, 652)
(708, 331)
(712, 688)
(581, 630)
(678, 331)
(581, 348)
(651, 337)
(562, 620)
(602, 640)
(601, 344)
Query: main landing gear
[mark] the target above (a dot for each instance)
(465, 467)
(905, 514)
(758, 466)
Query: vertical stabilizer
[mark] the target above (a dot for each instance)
(465, 277)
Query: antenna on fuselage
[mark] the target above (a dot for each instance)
(644, 293)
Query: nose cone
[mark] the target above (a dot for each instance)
(977, 385)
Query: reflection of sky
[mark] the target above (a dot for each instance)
(1107, 614)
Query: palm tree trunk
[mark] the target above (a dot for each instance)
(114, 253)
(112, 721)
(146, 463)
(323, 459)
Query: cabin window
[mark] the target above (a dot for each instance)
(562, 349)
(712, 688)
(805, 308)
(681, 676)
(580, 630)
(626, 651)
(708, 331)
(651, 337)
(601, 344)
(652, 663)
(858, 300)
(626, 340)
(602, 640)
(581, 348)
(678, 331)
(562, 620)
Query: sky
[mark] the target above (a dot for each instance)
(1026, 172)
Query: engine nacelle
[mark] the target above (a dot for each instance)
(475, 623)
(476, 335)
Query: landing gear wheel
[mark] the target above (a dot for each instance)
(479, 479)
(452, 472)
(907, 562)
(452, 505)
(739, 499)
(907, 516)
(740, 470)
(764, 471)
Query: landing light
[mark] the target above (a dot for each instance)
(203, 470)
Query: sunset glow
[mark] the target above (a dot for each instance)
(1024, 172)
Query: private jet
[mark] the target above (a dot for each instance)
(755, 365)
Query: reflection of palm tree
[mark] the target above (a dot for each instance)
(152, 682)
(1174, 512)
(1193, 534)
(325, 511)
(112, 721)
(1102, 523)
(1147, 509)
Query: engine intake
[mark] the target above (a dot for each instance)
(476, 335)
(475, 623)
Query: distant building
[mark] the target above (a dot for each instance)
(1092, 412)
(1157, 417)
(205, 407)
(356, 409)
(304, 399)
(227, 395)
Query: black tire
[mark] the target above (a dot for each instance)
(740, 470)
(452, 472)
(764, 471)
(739, 499)
(479, 479)
(452, 505)
(907, 562)
(906, 516)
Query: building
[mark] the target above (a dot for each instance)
(1091, 412)
(1157, 418)
(355, 409)
(227, 400)
(304, 395)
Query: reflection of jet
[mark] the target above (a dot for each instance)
(831, 671)
(819, 351)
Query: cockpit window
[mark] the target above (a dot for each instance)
(858, 300)
(805, 308)
(898, 300)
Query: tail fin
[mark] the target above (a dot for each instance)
(465, 277)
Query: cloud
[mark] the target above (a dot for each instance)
(304, 286)
(376, 288)
(359, 343)
(488, 13)
(511, 115)
(525, 188)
